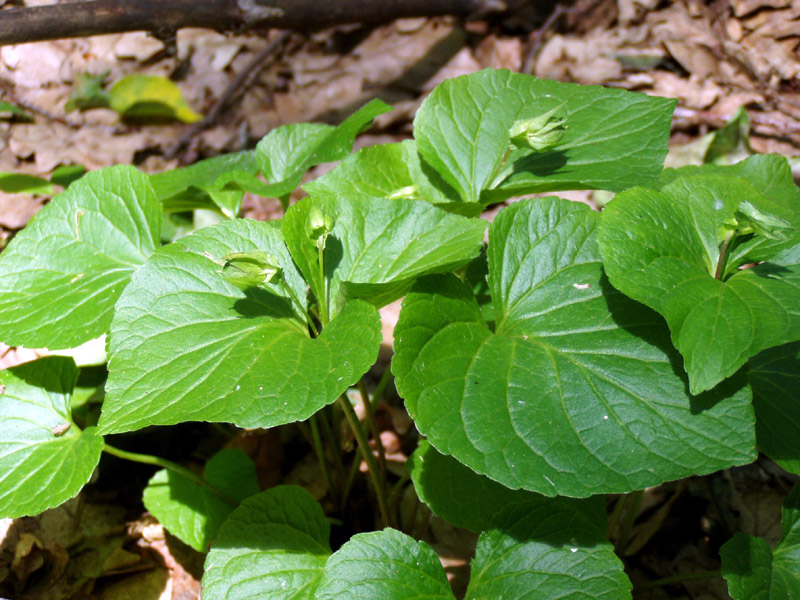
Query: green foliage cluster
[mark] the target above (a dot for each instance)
(575, 354)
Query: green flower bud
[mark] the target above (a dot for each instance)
(539, 133)
(752, 220)
(247, 270)
(320, 226)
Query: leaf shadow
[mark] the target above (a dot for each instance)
(259, 302)
(540, 164)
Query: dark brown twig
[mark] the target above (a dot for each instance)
(537, 37)
(96, 17)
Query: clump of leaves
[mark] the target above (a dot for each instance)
(575, 354)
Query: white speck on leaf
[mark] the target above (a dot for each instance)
(573, 549)
(605, 417)
(78, 216)
(60, 430)
(581, 286)
(238, 387)
(718, 204)
(78, 276)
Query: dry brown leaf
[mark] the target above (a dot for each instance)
(742, 8)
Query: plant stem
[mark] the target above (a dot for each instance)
(149, 459)
(634, 500)
(320, 452)
(309, 320)
(679, 578)
(373, 425)
(723, 255)
(613, 520)
(377, 395)
(324, 317)
(366, 452)
(333, 443)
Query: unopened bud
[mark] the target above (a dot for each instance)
(247, 270)
(320, 225)
(538, 133)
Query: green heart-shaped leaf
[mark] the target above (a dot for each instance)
(613, 139)
(272, 547)
(60, 277)
(384, 564)
(663, 248)
(576, 391)
(44, 458)
(186, 344)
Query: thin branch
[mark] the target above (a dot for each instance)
(97, 17)
(240, 83)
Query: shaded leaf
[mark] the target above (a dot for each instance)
(62, 274)
(457, 494)
(775, 378)
(44, 458)
(194, 513)
(753, 571)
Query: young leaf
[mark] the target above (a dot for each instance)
(287, 152)
(576, 391)
(545, 548)
(389, 171)
(44, 458)
(753, 571)
(384, 564)
(775, 378)
(272, 547)
(198, 185)
(457, 494)
(60, 277)
(194, 513)
(87, 92)
(663, 248)
(186, 344)
(771, 175)
(377, 247)
(21, 183)
(11, 112)
(150, 97)
(463, 129)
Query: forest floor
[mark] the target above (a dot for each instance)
(714, 57)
